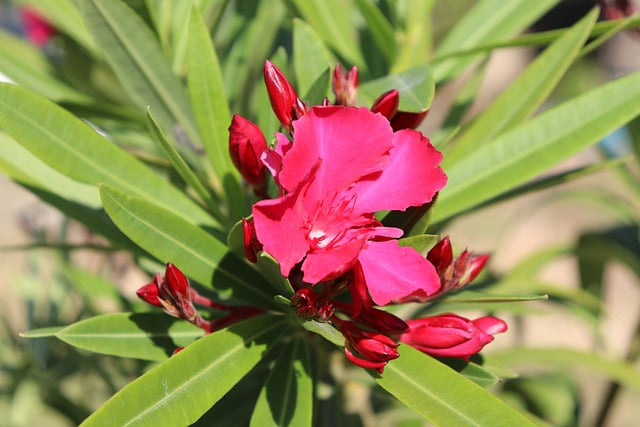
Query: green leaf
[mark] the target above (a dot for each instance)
(70, 146)
(47, 332)
(147, 336)
(319, 89)
(180, 390)
(559, 358)
(472, 371)
(310, 57)
(172, 239)
(538, 144)
(526, 94)
(470, 296)
(416, 87)
(132, 50)
(64, 15)
(183, 169)
(421, 243)
(380, 28)
(414, 44)
(287, 397)
(325, 330)
(330, 19)
(26, 65)
(441, 395)
(209, 102)
(487, 21)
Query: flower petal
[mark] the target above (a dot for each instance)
(396, 274)
(330, 263)
(411, 178)
(351, 142)
(281, 226)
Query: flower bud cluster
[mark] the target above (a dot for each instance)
(173, 293)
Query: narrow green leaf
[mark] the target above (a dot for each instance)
(325, 330)
(172, 239)
(310, 56)
(26, 65)
(541, 38)
(470, 296)
(28, 169)
(49, 331)
(147, 336)
(421, 243)
(330, 19)
(487, 21)
(64, 15)
(416, 87)
(414, 44)
(132, 50)
(442, 396)
(380, 28)
(619, 371)
(319, 89)
(180, 390)
(287, 397)
(472, 371)
(209, 102)
(70, 146)
(178, 162)
(526, 94)
(538, 144)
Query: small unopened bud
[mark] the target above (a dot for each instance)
(375, 349)
(381, 321)
(441, 255)
(387, 104)
(246, 146)
(149, 292)
(345, 85)
(251, 244)
(282, 95)
(37, 29)
(450, 335)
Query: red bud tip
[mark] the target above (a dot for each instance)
(281, 94)
(345, 85)
(246, 146)
(387, 104)
(441, 255)
(149, 294)
(477, 265)
(251, 244)
(178, 283)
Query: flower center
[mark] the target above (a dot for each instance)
(319, 237)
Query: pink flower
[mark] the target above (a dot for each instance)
(37, 28)
(450, 335)
(346, 163)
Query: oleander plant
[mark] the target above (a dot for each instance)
(264, 165)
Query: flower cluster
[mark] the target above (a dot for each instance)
(336, 166)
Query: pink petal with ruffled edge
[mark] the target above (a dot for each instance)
(281, 226)
(331, 263)
(411, 178)
(395, 273)
(352, 143)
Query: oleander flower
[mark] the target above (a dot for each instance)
(345, 164)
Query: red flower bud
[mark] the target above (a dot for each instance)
(381, 321)
(376, 349)
(283, 97)
(450, 335)
(441, 255)
(404, 120)
(251, 244)
(149, 292)
(246, 145)
(345, 85)
(476, 266)
(360, 298)
(387, 104)
(36, 27)
(178, 284)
